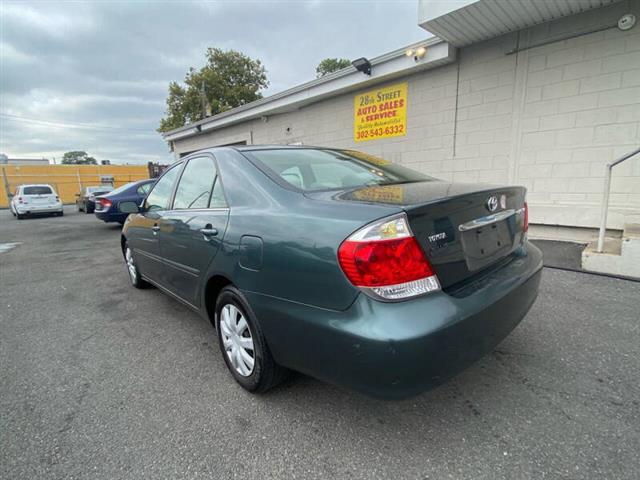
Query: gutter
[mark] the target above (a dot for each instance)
(385, 67)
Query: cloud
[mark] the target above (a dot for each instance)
(74, 68)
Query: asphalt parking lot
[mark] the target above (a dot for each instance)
(102, 381)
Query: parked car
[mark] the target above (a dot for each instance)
(107, 205)
(86, 199)
(35, 199)
(335, 263)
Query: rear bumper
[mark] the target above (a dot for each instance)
(396, 350)
(45, 208)
(111, 217)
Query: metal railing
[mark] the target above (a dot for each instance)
(605, 199)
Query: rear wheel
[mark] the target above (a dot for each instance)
(243, 345)
(134, 274)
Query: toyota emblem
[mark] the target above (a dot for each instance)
(492, 203)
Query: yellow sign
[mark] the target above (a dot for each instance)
(388, 194)
(380, 113)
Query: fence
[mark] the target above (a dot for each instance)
(67, 180)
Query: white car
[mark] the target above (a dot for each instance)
(34, 199)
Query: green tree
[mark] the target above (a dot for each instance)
(229, 79)
(330, 65)
(78, 157)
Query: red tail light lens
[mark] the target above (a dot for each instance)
(106, 203)
(384, 259)
(525, 227)
(383, 262)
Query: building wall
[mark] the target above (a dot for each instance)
(67, 180)
(546, 108)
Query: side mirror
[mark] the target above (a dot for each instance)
(128, 207)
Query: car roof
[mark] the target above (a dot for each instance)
(248, 148)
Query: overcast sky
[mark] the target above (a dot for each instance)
(93, 75)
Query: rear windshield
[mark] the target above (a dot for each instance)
(316, 169)
(37, 190)
(122, 188)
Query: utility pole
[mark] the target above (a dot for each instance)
(7, 189)
(204, 101)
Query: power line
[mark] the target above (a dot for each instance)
(86, 126)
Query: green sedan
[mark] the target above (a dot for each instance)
(336, 264)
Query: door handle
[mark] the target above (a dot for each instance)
(209, 231)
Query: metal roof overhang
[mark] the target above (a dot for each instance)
(463, 22)
(384, 67)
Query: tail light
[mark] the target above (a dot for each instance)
(385, 261)
(57, 198)
(106, 203)
(20, 200)
(525, 226)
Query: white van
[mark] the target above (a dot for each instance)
(35, 198)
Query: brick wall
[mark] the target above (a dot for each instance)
(529, 108)
(581, 110)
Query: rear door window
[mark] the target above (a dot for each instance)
(196, 184)
(37, 190)
(217, 196)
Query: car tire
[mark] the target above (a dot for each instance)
(19, 216)
(132, 269)
(85, 209)
(60, 213)
(243, 345)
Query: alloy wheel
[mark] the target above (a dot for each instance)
(237, 339)
(131, 266)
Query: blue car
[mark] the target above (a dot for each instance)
(107, 206)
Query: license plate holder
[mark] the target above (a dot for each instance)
(486, 244)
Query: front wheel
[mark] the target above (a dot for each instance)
(243, 345)
(134, 274)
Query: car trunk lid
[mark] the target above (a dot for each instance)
(462, 228)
